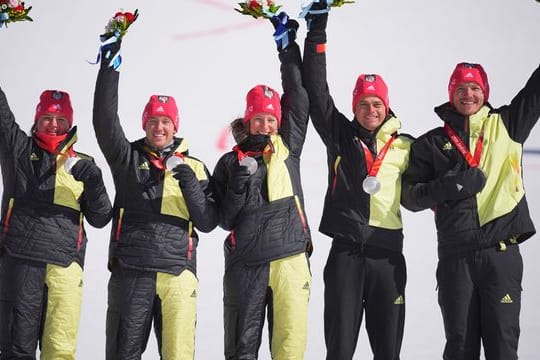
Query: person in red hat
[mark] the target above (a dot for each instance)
(365, 271)
(49, 189)
(469, 172)
(261, 204)
(162, 199)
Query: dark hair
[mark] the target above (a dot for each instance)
(239, 130)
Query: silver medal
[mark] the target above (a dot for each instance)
(70, 163)
(173, 162)
(371, 185)
(250, 163)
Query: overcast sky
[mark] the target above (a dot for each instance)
(208, 56)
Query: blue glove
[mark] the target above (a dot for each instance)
(285, 30)
(110, 52)
(316, 14)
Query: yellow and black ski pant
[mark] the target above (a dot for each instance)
(136, 299)
(362, 279)
(480, 300)
(280, 286)
(39, 303)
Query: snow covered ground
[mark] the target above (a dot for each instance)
(208, 56)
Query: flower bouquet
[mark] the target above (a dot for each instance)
(315, 7)
(258, 8)
(13, 10)
(338, 3)
(119, 24)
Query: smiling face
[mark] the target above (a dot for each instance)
(263, 124)
(370, 112)
(52, 124)
(468, 98)
(159, 131)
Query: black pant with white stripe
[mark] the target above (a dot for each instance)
(480, 300)
(363, 279)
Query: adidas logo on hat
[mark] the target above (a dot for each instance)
(371, 88)
(160, 109)
(270, 107)
(469, 75)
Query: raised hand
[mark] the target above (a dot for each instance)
(316, 14)
(285, 30)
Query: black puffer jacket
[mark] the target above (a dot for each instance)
(499, 212)
(267, 221)
(42, 205)
(154, 217)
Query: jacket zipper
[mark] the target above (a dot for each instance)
(8, 215)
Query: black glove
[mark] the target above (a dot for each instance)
(458, 185)
(86, 171)
(108, 52)
(239, 179)
(317, 16)
(320, 7)
(184, 174)
(285, 30)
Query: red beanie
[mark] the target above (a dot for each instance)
(370, 84)
(262, 99)
(468, 72)
(54, 102)
(161, 105)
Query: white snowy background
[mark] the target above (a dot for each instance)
(208, 56)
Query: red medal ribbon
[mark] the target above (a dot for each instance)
(242, 155)
(373, 166)
(472, 160)
(160, 162)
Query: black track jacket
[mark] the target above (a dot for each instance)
(154, 217)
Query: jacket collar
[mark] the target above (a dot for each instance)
(178, 145)
(460, 122)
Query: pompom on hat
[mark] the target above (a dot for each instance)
(370, 84)
(468, 72)
(54, 102)
(262, 99)
(161, 105)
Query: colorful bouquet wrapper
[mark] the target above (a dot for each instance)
(281, 35)
(306, 7)
(115, 30)
(119, 24)
(261, 8)
(12, 11)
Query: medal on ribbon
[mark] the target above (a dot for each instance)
(371, 184)
(472, 160)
